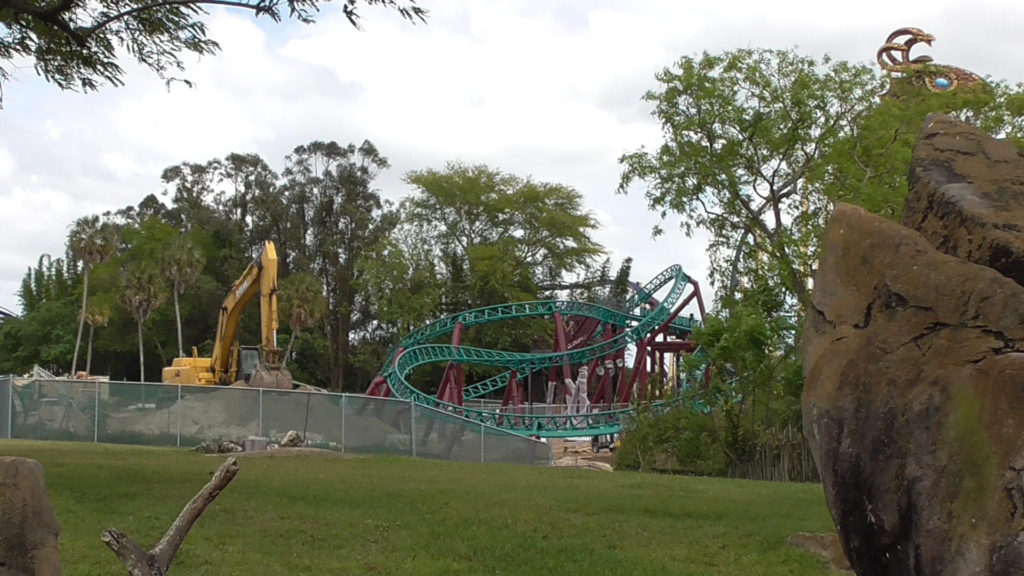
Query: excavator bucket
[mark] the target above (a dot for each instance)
(277, 378)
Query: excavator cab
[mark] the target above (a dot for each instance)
(248, 361)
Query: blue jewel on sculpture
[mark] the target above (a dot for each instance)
(943, 83)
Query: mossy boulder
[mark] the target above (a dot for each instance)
(914, 367)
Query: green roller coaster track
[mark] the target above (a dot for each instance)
(634, 324)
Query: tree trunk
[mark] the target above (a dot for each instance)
(142, 360)
(348, 298)
(343, 349)
(81, 318)
(177, 317)
(337, 343)
(288, 351)
(88, 351)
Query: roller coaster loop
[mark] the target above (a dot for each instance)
(588, 354)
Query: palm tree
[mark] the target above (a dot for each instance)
(90, 241)
(96, 316)
(142, 292)
(303, 303)
(181, 264)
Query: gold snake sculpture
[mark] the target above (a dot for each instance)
(894, 57)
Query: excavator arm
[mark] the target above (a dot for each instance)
(222, 368)
(268, 305)
(260, 277)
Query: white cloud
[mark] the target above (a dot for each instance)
(547, 89)
(7, 165)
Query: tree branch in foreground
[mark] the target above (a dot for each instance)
(157, 561)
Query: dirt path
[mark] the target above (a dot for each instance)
(579, 454)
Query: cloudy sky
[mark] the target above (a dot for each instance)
(548, 89)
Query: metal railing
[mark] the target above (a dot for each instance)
(185, 416)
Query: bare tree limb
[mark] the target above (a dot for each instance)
(135, 559)
(259, 8)
(584, 284)
(157, 561)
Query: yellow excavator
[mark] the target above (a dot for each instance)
(231, 364)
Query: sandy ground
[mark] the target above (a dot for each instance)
(579, 454)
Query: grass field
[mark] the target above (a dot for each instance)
(379, 515)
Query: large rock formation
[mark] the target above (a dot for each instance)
(967, 196)
(914, 394)
(28, 526)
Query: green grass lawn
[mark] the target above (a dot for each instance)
(380, 515)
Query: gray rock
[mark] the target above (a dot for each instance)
(292, 439)
(967, 195)
(229, 447)
(207, 447)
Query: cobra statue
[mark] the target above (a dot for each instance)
(894, 56)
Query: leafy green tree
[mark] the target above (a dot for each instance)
(682, 440)
(598, 285)
(401, 288)
(752, 351)
(181, 264)
(303, 303)
(474, 236)
(91, 241)
(43, 334)
(51, 279)
(148, 207)
(743, 130)
(758, 145)
(498, 237)
(753, 394)
(191, 186)
(141, 294)
(745, 134)
(249, 182)
(401, 284)
(869, 166)
(336, 217)
(75, 45)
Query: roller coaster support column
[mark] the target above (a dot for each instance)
(379, 387)
(639, 374)
(559, 347)
(700, 308)
(513, 401)
(452, 382)
(620, 373)
(583, 329)
(603, 368)
(513, 397)
(668, 338)
(700, 301)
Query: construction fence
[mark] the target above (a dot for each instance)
(185, 416)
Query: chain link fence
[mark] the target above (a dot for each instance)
(185, 416)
